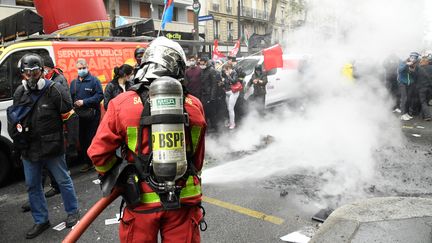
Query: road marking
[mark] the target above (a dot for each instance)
(408, 127)
(242, 210)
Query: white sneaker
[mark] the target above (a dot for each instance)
(409, 116)
(405, 117)
(231, 127)
(397, 110)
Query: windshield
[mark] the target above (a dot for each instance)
(248, 65)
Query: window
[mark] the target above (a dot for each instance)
(230, 30)
(145, 11)
(175, 14)
(282, 15)
(28, 3)
(161, 10)
(190, 16)
(11, 76)
(248, 65)
(228, 6)
(124, 8)
(216, 25)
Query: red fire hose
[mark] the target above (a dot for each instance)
(90, 216)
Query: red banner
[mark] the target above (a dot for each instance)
(216, 54)
(235, 50)
(273, 57)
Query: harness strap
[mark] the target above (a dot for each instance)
(164, 119)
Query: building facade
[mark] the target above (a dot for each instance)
(132, 11)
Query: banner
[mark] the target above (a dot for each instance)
(216, 55)
(235, 50)
(273, 57)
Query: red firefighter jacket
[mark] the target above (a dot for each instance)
(120, 125)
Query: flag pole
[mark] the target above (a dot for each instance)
(163, 15)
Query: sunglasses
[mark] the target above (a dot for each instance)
(32, 70)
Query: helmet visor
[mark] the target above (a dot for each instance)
(164, 56)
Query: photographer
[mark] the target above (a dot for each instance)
(407, 75)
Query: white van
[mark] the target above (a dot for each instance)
(283, 83)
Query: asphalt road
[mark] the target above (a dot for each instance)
(260, 211)
(225, 222)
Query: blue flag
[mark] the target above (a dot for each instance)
(168, 12)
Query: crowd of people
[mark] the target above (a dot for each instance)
(221, 87)
(410, 83)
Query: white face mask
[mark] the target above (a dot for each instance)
(203, 66)
(192, 63)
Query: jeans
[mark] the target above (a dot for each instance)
(87, 130)
(423, 92)
(231, 99)
(33, 178)
(407, 98)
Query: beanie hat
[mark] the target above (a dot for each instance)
(49, 62)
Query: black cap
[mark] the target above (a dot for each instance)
(49, 62)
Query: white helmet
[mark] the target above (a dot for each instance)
(163, 57)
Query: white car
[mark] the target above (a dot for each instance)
(283, 83)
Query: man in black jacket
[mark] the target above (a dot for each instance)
(38, 133)
(424, 85)
(209, 88)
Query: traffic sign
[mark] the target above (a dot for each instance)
(205, 17)
(196, 6)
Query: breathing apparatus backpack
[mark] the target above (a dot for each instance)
(166, 120)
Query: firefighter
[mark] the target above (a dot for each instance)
(152, 215)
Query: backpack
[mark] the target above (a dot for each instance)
(18, 118)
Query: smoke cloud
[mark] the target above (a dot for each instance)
(336, 128)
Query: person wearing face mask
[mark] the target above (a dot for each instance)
(35, 123)
(407, 76)
(209, 92)
(193, 78)
(121, 83)
(86, 92)
(54, 73)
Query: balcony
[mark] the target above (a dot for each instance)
(254, 13)
(229, 9)
(215, 7)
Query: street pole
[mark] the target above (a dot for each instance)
(196, 7)
(238, 20)
(112, 13)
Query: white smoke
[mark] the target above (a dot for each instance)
(342, 124)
